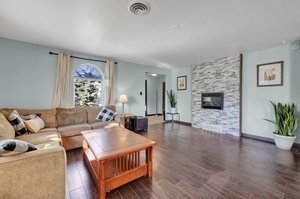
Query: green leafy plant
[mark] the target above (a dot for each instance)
(172, 98)
(285, 119)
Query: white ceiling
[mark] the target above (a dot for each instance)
(176, 33)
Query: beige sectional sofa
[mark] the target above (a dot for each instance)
(35, 174)
(68, 122)
(42, 173)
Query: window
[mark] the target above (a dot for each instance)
(88, 85)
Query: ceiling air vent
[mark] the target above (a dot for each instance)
(139, 7)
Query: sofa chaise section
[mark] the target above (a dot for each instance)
(35, 174)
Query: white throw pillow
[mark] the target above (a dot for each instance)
(34, 125)
(12, 147)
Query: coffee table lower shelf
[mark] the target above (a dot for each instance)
(116, 171)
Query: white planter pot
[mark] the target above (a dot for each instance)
(173, 110)
(284, 142)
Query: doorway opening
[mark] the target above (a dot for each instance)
(155, 97)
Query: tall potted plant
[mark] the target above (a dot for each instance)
(285, 125)
(172, 100)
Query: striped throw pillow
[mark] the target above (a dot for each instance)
(17, 122)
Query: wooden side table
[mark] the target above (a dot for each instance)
(125, 119)
(134, 123)
(139, 123)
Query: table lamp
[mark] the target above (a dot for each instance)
(123, 100)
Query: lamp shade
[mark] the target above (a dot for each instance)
(123, 98)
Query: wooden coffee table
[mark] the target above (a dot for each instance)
(116, 156)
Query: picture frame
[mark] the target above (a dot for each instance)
(270, 74)
(181, 82)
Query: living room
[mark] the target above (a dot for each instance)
(217, 152)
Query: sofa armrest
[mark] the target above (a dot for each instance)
(35, 174)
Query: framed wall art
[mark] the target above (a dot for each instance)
(181, 82)
(270, 74)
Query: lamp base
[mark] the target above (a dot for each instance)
(122, 110)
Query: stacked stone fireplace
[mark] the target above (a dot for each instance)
(216, 95)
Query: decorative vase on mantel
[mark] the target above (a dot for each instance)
(173, 110)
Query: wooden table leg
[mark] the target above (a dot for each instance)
(102, 188)
(149, 161)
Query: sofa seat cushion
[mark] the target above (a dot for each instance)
(41, 138)
(47, 145)
(52, 130)
(93, 111)
(100, 125)
(70, 116)
(73, 130)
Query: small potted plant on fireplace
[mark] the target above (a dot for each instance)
(172, 100)
(285, 125)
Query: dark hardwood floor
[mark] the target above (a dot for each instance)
(190, 163)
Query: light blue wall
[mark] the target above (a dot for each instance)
(28, 72)
(295, 83)
(27, 75)
(256, 100)
(184, 97)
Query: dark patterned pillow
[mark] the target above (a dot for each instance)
(17, 122)
(106, 115)
(12, 147)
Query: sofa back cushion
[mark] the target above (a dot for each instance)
(6, 129)
(69, 116)
(6, 112)
(47, 115)
(93, 111)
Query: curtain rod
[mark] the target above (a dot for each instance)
(97, 60)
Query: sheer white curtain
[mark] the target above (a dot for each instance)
(109, 82)
(63, 87)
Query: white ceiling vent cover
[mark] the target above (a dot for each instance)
(139, 7)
